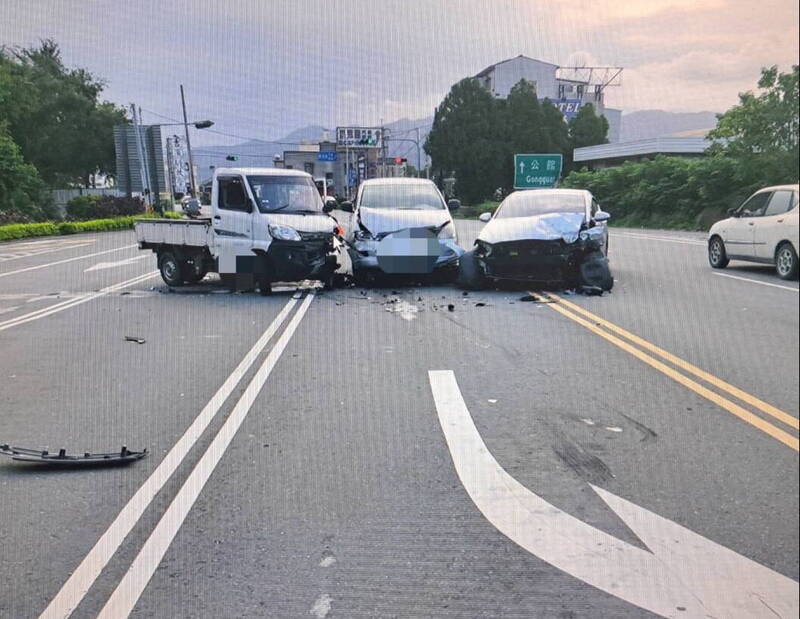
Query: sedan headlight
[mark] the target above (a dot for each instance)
(284, 233)
(362, 235)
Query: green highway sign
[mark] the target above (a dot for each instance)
(532, 171)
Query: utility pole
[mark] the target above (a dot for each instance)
(419, 156)
(139, 152)
(146, 164)
(188, 145)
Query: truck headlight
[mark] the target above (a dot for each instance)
(284, 233)
(362, 235)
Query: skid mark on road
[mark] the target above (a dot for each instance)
(574, 312)
(681, 574)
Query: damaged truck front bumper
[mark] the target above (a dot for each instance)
(535, 260)
(313, 257)
(409, 251)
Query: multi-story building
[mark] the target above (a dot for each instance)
(566, 94)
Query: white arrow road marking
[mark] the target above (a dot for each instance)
(682, 575)
(110, 265)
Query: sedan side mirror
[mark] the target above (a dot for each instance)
(454, 204)
(485, 217)
(346, 206)
(329, 204)
(733, 212)
(600, 216)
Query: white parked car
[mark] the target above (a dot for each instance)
(764, 229)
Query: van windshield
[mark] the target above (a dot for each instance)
(416, 196)
(286, 194)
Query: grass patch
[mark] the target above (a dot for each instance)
(12, 232)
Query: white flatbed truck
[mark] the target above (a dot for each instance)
(266, 225)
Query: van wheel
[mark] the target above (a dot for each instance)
(470, 276)
(786, 261)
(170, 268)
(717, 257)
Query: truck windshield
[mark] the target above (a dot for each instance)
(532, 203)
(289, 194)
(417, 196)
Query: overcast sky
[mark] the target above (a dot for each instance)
(264, 68)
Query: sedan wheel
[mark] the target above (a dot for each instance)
(717, 257)
(786, 262)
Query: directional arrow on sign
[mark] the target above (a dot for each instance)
(682, 574)
(522, 167)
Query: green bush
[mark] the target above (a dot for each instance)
(26, 230)
(86, 207)
(667, 192)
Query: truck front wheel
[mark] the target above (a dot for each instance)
(170, 268)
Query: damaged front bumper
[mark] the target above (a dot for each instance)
(409, 251)
(313, 257)
(535, 260)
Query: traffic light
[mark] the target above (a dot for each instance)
(232, 158)
(400, 160)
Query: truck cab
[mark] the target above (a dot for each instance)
(265, 225)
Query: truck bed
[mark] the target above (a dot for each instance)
(191, 232)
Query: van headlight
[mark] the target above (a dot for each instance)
(284, 233)
(448, 232)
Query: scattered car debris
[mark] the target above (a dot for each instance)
(528, 298)
(480, 304)
(451, 307)
(591, 291)
(137, 340)
(36, 456)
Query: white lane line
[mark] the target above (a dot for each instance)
(130, 588)
(755, 281)
(50, 264)
(81, 580)
(667, 239)
(16, 255)
(681, 575)
(60, 307)
(111, 265)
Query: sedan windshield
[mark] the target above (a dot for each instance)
(290, 194)
(531, 203)
(418, 196)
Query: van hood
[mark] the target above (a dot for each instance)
(547, 227)
(317, 222)
(382, 220)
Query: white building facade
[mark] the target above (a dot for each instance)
(567, 94)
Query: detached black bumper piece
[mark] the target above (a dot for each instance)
(36, 456)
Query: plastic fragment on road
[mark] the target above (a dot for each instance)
(39, 456)
(137, 340)
(591, 291)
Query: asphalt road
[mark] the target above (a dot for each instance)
(325, 472)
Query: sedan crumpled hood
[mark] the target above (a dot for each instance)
(380, 220)
(548, 227)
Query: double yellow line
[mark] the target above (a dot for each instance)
(606, 330)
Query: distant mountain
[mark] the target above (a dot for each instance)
(257, 153)
(654, 123)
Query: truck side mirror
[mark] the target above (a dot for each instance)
(346, 206)
(454, 204)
